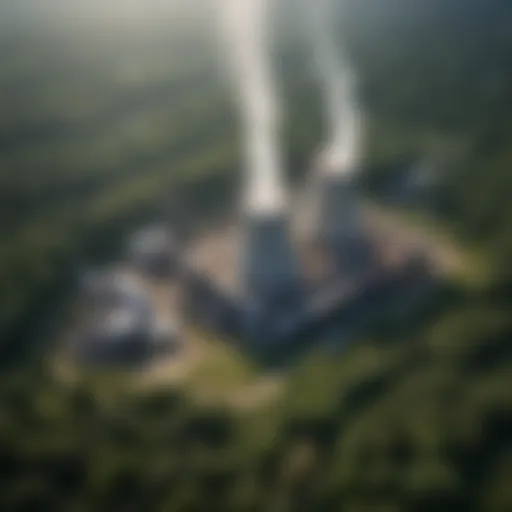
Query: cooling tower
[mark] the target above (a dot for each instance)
(338, 210)
(339, 226)
(270, 275)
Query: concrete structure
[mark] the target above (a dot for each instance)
(339, 217)
(271, 284)
(338, 224)
(260, 283)
(119, 324)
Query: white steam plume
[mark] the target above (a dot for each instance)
(341, 153)
(245, 26)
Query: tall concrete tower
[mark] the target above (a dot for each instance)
(270, 263)
(270, 274)
(339, 225)
(339, 217)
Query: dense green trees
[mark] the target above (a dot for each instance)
(422, 424)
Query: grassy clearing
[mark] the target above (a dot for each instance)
(212, 372)
(219, 370)
(465, 264)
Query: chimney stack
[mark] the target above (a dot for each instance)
(338, 221)
(270, 274)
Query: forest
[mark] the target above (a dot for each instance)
(97, 137)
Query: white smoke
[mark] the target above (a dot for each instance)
(245, 26)
(342, 151)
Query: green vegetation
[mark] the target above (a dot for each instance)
(414, 419)
(419, 423)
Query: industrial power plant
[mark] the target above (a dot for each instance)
(272, 282)
(288, 267)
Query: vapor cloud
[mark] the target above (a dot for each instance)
(341, 152)
(246, 27)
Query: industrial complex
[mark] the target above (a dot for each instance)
(272, 281)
